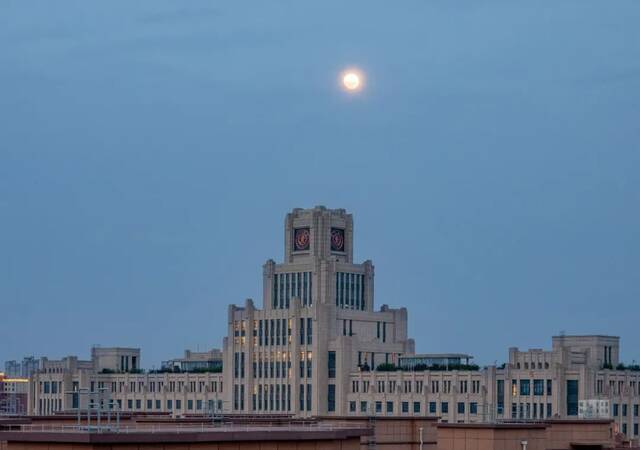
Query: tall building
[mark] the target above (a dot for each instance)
(317, 325)
(319, 347)
(21, 369)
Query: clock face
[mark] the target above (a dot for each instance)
(337, 240)
(301, 238)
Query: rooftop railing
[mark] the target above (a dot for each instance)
(225, 427)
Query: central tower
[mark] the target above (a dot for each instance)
(317, 324)
(318, 267)
(318, 233)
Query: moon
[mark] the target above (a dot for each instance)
(351, 81)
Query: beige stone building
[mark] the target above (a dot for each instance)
(320, 347)
(105, 382)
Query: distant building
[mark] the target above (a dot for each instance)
(115, 359)
(13, 395)
(23, 369)
(315, 347)
(444, 360)
(195, 361)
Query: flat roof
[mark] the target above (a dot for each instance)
(527, 424)
(438, 355)
(141, 435)
(586, 335)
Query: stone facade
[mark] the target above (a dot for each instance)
(316, 346)
(317, 325)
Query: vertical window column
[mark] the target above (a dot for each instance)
(362, 294)
(310, 289)
(358, 291)
(305, 285)
(274, 300)
(286, 289)
(281, 289)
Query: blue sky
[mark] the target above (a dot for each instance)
(149, 151)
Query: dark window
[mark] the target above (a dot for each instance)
(405, 407)
(331, 398)
(363, 407)
(352, 406)
(538, 387)
(624, 410)
(444, 407)
(389, 407)
(378, 407)
(572, 397)
(235, 396)
(549, 387)
(616, 410)
(473, 408)
(301, 397)
(432, 408)
(236, 364)
(525, 388)
(500, 389)
(274, 300)
(416, 407)
(331, 362)
(460, 407)
(271, 333)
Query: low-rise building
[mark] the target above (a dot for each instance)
(195, 361)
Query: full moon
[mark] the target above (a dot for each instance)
(351, 81)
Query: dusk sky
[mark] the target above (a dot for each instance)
(150, 150)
